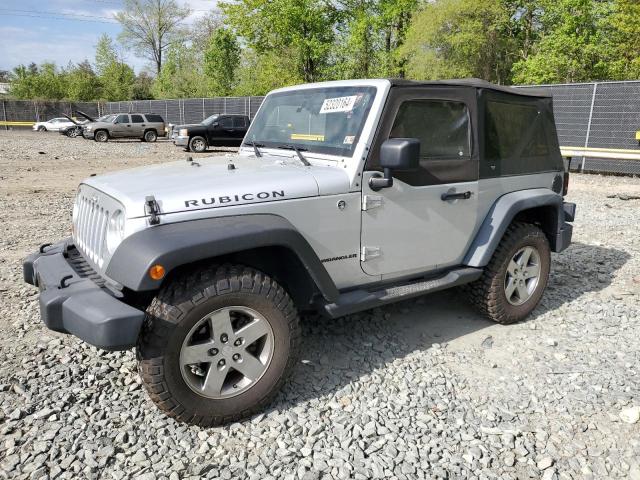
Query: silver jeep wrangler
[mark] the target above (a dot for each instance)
(344, 196)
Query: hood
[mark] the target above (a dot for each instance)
(188, 125)
(209, 183)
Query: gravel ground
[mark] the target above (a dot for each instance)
(420, 389)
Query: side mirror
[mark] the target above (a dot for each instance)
(396, 154)
(215, 124)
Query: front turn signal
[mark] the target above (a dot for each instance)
(157, 272)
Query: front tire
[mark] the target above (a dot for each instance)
(514, 281)
(42, 128)
(198, 144)
(101, 136)
(217, 344)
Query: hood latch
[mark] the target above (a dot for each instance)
(152, 209)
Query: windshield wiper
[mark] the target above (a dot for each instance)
(298, 151)
(255, 147)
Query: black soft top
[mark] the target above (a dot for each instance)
(469, 83)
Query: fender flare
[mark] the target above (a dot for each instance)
(175, 244)
(500, 216)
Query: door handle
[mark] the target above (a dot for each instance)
(455, 196)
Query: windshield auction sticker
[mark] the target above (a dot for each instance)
(338, 104)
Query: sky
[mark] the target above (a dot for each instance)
(65, 31)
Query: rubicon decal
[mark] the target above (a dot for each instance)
(226, 199)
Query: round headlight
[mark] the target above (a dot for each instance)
(115, 230)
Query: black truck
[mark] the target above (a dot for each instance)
(216, 130)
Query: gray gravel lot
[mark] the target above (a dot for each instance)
(420, 389)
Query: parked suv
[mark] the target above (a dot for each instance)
(221, 130)
(145, 126)
(344, 196)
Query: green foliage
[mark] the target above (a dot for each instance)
(458, 39)
(250, 47)
(41, 83)
(221, 60)
(622, 37)
(571, 47)
(116, 77)
(180, 76)
(81, 82)
(302, 28)
(258, 74)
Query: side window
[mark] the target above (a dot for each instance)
(238, 122)
(226, 122)
(442, 126)
(122, 119)
(515, 138)
(154, 118)
(137, 119)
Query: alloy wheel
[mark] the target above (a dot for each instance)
(226, 352)
(522, 276)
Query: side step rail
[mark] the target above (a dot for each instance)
(358, 300)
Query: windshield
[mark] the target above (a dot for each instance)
(323, 120)
(209, 120)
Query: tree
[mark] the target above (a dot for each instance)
(42, 83)
(142, 87)
(221, 60)
(151, 27)
(204, 27)
(116, 77)
(259, 74)
(180, 76)
(570, 46)
(458, 39)
(621, 33)
(82, 84)
(303, 28)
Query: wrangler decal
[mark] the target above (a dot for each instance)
(247, 197)
(342, 257)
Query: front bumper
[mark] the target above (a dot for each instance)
(74, 300)
(181, 141)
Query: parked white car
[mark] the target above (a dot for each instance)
(52, 125)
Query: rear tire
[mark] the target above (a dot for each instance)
(101, 136)
(514, 281)
(150, 136)
(199, 361)
(198, 144)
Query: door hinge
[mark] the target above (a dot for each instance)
(152, 209)
(368, 253)
(371, 201)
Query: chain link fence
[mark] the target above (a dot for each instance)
(19, 113)
(190, 110)
(602, 117)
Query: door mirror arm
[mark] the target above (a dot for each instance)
(379, 182)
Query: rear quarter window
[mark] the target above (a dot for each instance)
(154, 118)
(518, 138)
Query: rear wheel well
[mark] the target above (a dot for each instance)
(545, 217)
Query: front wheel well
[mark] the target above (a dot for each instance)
(279, 262)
